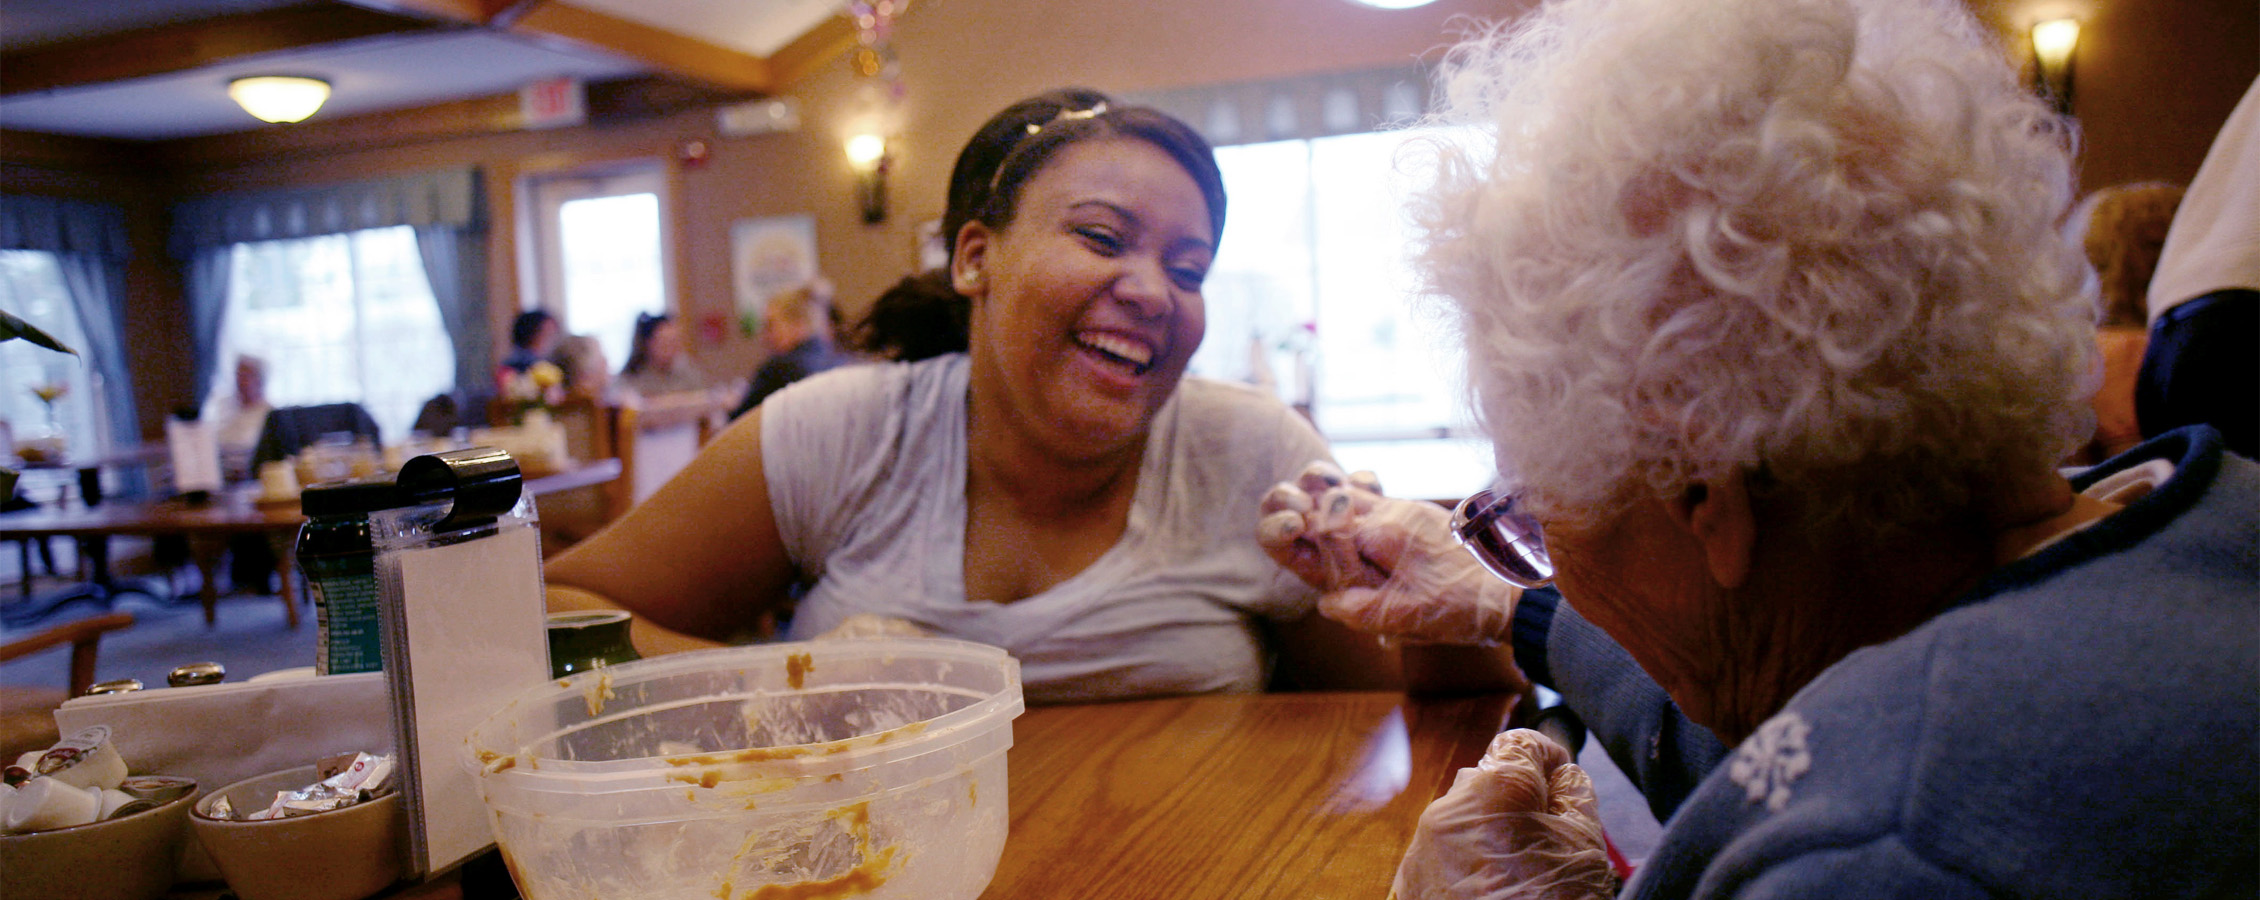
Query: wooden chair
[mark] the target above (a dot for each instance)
(592, 432)
(655, 443)
(27, 713)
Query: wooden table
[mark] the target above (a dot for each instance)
(210, 524)
(1303, 796)
(1245, 796)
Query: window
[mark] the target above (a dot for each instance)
(1311, 295)
(601, 255)
(31, 287)
(339, 318)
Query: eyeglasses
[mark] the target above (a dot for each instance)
(1505, 540)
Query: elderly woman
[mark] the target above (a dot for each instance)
(1034, 471)
(1771, 323)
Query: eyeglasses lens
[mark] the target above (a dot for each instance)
(1506, 541)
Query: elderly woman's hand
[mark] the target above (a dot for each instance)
(1388, 566)
(1520, 824)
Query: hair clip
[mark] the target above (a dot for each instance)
(1096, 110)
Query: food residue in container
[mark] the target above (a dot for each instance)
(598, 691)
(972, 792)
(797, 667)
(706, 779)
(866, 877)
(488, 759)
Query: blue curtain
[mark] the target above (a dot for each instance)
(89, 243)
(97, 286)
(443, 201)
(455, 261)
(207, 285)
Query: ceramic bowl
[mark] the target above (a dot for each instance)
(127, 858)
(343, 854)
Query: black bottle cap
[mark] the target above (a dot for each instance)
(480, 484)
(352, 498)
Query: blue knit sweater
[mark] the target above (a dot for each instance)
(2084, 723)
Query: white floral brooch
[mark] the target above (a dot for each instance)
(1772, 758)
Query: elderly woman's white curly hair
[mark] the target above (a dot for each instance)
(1815, 240)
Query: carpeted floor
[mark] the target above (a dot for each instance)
(251, 635)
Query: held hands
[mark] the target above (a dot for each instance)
(1388, 566)
(1520, 824)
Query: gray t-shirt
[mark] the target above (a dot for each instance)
(866, 469)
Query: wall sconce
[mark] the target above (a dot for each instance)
(279, 98)
(2052, 44)
(867, 155)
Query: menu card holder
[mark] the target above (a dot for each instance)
(460, 585)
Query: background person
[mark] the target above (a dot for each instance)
(2123, 228)
(241, 416)
(796, 327)
(2202, 363)
(1046, 481)
(533, 337)
(656, 363)
(1778, 408)
(587, 374)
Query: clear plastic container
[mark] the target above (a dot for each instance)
(852, 768)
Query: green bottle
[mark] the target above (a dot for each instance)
(580, 641)
(339, 562)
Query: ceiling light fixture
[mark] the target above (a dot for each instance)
(279, 98)
(2053, 43)
(867, 156)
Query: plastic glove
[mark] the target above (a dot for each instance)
(1387, 566)
(1520, 824)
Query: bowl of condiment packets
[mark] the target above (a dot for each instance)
(319, 832)
(74, 824)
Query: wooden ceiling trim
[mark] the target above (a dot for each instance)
(468, 12)
(684, 57)
(822, 44)
(479, 115)
(189, 45)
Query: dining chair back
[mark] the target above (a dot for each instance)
(294, 428)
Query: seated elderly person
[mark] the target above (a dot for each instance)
(1773, 329)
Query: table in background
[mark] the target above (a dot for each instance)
(208, 525)
(1249, 795)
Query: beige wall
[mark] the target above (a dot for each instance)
(2156, 79)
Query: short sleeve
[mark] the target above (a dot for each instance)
(821, 440)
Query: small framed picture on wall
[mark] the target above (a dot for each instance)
(768, 255)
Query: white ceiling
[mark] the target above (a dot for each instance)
(758, 27)
(367, 75)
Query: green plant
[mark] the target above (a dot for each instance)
(12, 328)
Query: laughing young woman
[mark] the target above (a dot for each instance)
(1035, 471)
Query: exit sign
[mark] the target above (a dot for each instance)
(554, 103)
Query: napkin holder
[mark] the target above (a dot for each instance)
(223, 733)
(459, 584)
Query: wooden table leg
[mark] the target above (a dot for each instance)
(289, 590)
(207, 552)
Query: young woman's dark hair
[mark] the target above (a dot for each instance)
(527, 326)
(922, 316)
(639, 349)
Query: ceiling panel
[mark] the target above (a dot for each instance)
(758, 27)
